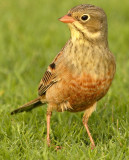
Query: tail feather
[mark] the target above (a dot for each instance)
(28, 106)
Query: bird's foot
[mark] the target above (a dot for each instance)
(48, 142)
(57, 148)
(92, 146)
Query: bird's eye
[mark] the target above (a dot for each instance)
(85, 17)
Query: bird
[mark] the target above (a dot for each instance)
(82, 72)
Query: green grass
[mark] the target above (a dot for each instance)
(30, 37)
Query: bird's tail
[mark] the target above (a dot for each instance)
(28, 106)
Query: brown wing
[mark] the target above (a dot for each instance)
(47, 81)
(49, 77)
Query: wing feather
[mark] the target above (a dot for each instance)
(50, 76)
(47, 81)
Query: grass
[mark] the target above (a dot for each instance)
(30, 37)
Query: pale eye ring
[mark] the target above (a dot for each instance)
(85, 17)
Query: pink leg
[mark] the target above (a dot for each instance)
(89, 134)
(48, 127)
(86, 116)
(48, 130)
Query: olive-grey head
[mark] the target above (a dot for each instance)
(87, 21)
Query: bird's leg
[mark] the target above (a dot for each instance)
(48, 131)
(86, 116)
(48, 127)
(89, 134)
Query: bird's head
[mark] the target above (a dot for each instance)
(87, 21)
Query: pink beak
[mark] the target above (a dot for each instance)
(66, 19)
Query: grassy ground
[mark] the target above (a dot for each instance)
(30, 37)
